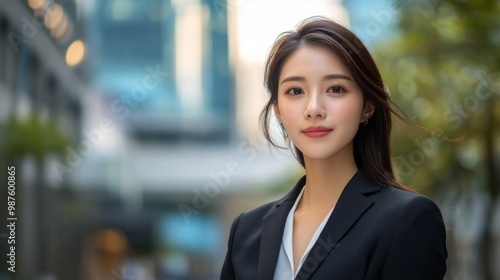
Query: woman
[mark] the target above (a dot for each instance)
(350, 219)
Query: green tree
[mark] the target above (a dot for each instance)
(444, 70)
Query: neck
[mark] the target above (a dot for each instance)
(326, 179)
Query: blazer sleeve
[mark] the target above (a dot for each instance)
(418, 250)
(227, 272)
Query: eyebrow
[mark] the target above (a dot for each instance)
(325, 78)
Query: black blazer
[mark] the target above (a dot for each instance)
(374, 232)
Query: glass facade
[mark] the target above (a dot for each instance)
(167, 62)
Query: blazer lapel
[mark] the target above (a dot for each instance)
(273, 225)
(350, 207)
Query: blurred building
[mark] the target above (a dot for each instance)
(167, 61)
(158, 146)
(41, 112)
(374, 22)
(172, 171)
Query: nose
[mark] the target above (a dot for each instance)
(315, 108)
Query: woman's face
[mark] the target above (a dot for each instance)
(319, 103)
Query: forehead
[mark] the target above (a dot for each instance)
(311, 61)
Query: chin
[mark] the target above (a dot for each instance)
(319, 154)
(322, 152)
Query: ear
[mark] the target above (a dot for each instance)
(367, 112)
(277, 111)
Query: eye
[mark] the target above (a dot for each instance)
(336, 89)
(295, 91)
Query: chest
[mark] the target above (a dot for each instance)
(358, 255)
(305, 225)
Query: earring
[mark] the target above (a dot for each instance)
(285, 134)
(365, 122)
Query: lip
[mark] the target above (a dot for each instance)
(317, 131)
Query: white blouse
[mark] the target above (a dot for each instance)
(284, 267)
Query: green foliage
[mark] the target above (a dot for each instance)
(444, 71)
(30, 136)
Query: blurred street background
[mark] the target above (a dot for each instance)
(133, 127)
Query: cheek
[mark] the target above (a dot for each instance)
(348, 110)
(288, 113)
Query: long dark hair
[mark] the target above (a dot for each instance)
(372, 150)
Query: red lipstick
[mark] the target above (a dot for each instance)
(316, 131)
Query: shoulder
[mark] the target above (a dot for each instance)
(413, 229)
(246, 229)
(404, 202)
(397, 211)
(253, 218)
